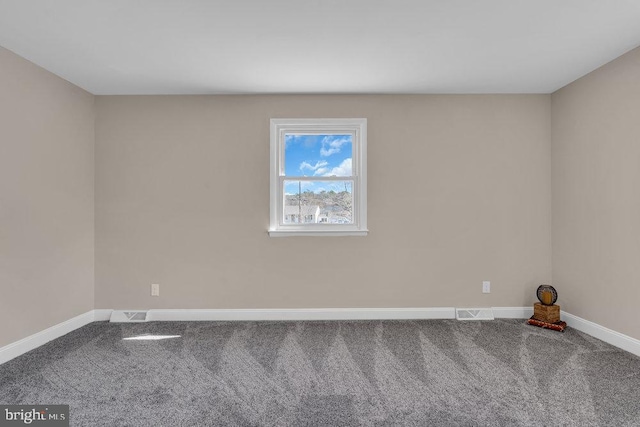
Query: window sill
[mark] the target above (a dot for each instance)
(317, 233)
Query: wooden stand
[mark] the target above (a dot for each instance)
(546, 313)
(557, 326)
(547, 316)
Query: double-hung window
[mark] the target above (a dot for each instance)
(318, 177)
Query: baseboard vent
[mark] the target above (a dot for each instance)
(474, 314)
(124, 316)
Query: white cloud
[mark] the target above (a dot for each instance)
(327, 152)
(331, 146)
(319, 164)
(345, 169)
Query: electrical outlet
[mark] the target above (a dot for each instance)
(486, 287)
(155, 290)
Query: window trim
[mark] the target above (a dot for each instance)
(357, 127)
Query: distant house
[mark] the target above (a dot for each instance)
(310, 214)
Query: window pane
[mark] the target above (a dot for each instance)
(318, 202)
(318, 155)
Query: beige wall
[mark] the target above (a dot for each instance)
(596, 195)
(46, 199)
(459, 192)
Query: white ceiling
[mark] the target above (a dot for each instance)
(319, 46)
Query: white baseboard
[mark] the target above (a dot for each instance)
(315, 314)
(607, 335)
(512, 312)
(17, 348)
(302, 314)
(101, 314)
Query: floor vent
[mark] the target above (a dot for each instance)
(474, 314)
(123, 316)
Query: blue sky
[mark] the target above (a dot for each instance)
(317, 155)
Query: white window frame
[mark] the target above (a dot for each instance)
(358, 129)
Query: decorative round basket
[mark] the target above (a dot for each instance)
(547, 295)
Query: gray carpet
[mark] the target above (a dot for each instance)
(369, 373)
